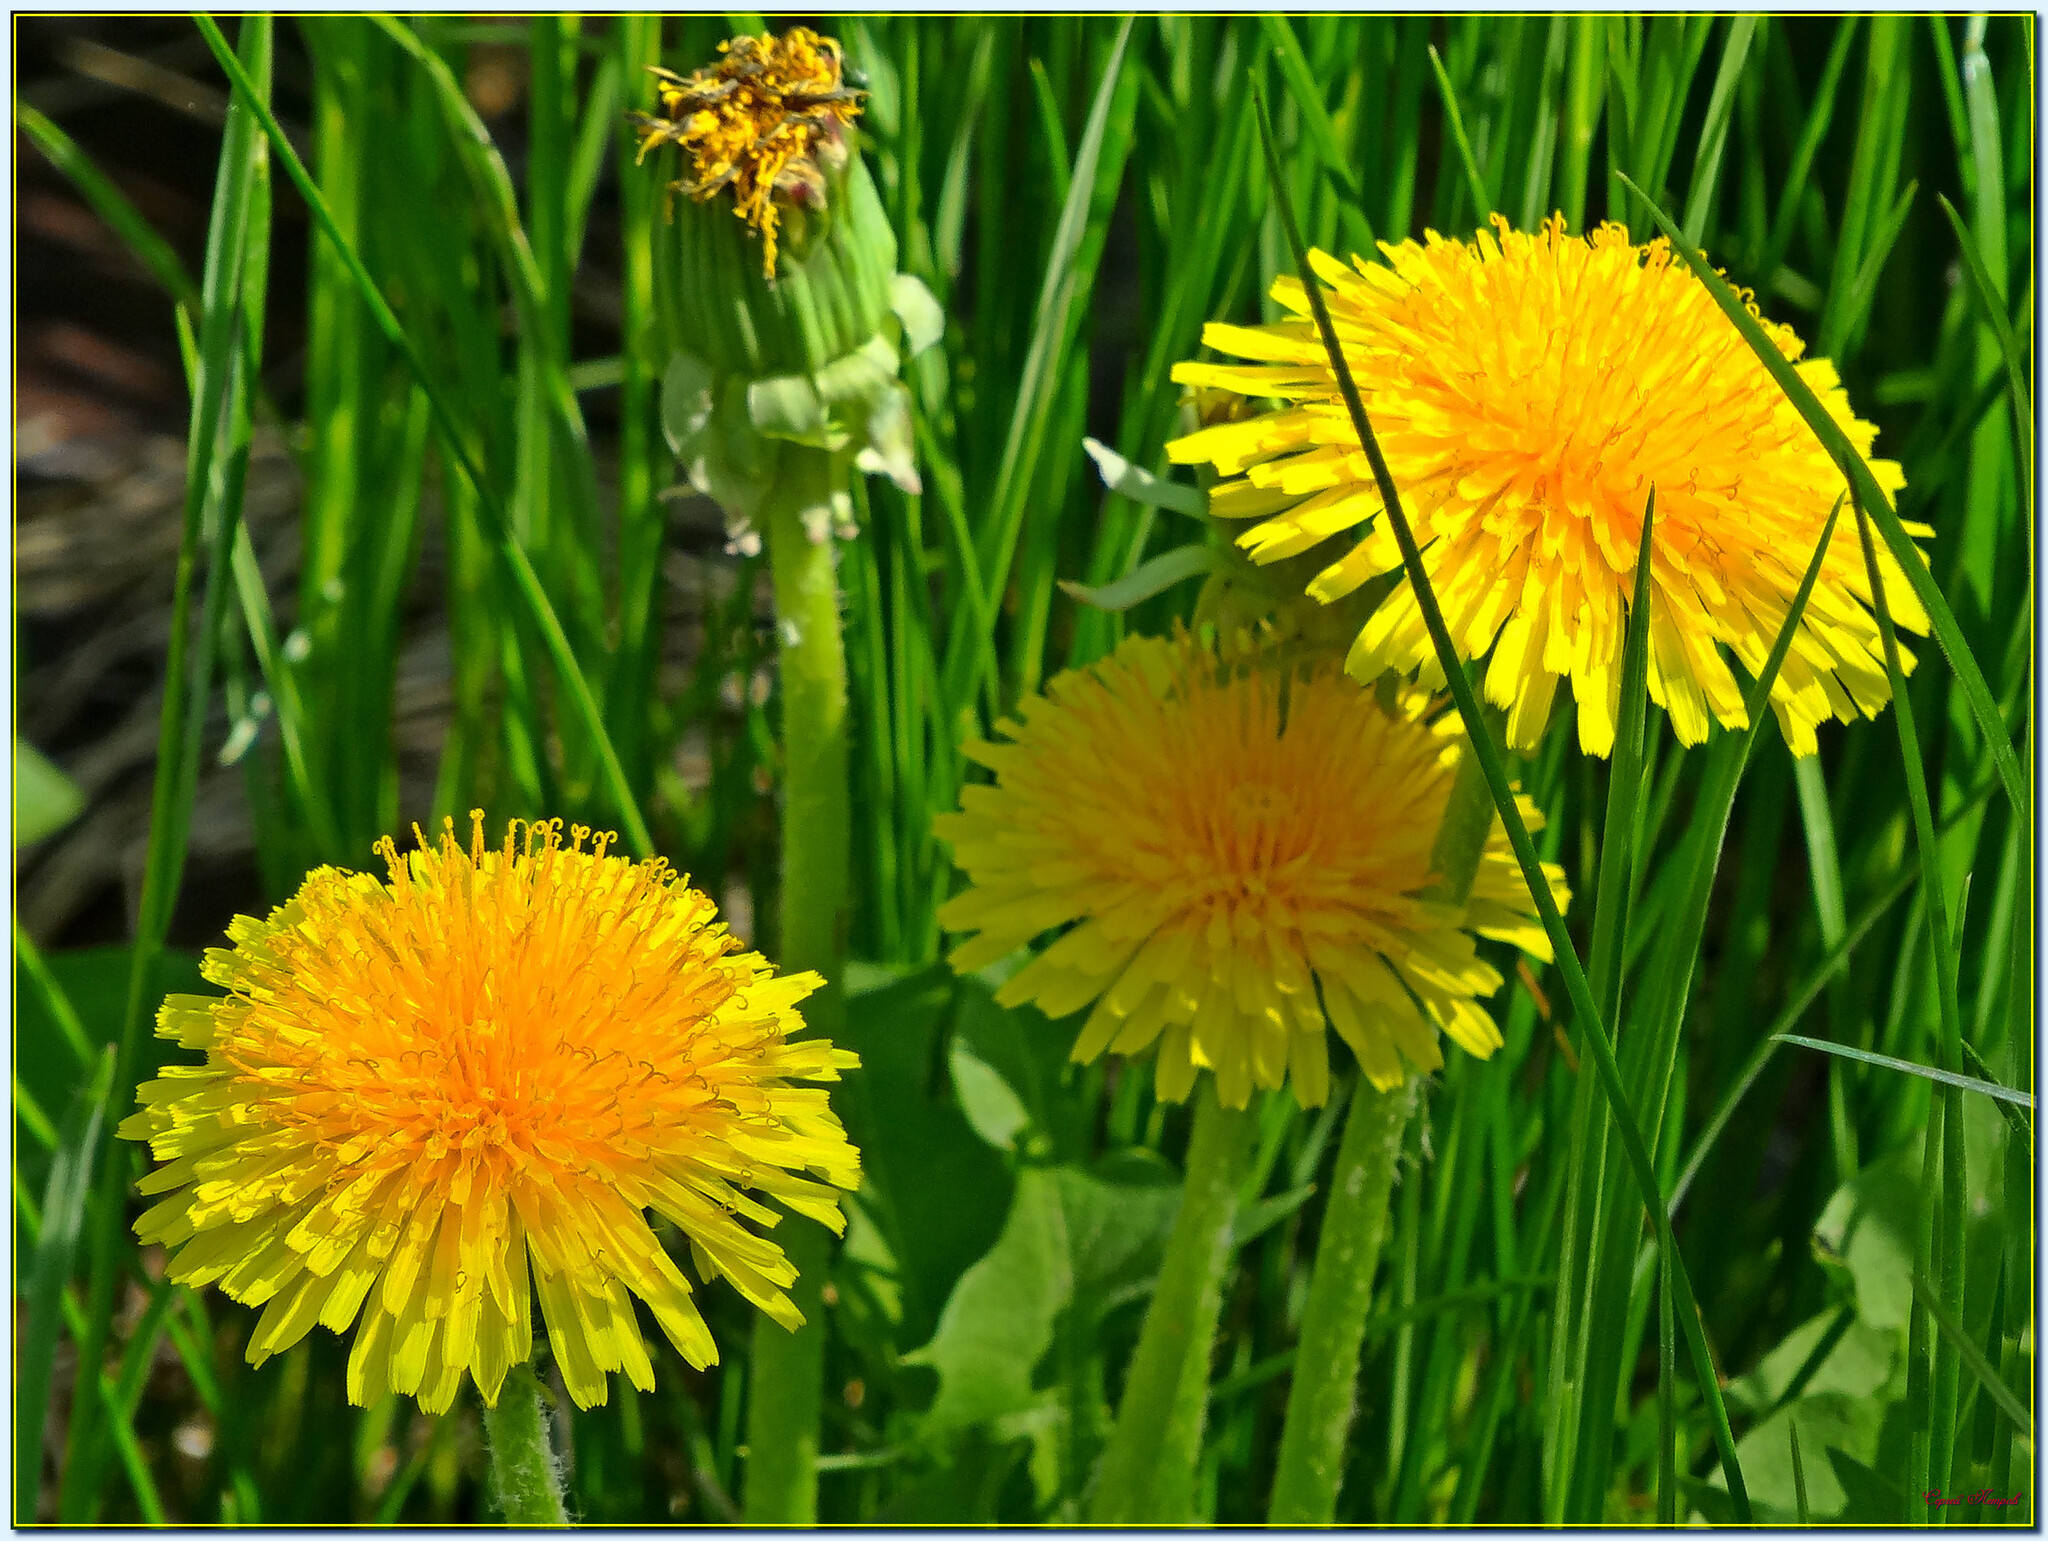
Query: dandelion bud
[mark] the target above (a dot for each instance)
(776, 278)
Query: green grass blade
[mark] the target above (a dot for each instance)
(1872, 501)
(212, 497)
(1667, 1412)
(1594, 1034)
(1830, 967)
(1308, 100)
(970, 653)
(28, 959)
(1714, 135)
(1475, 184)
(1947, 1255)
(63, 1218)
(1798, 178)
(526, 582)
(1624, 788)
(2001, 1395)
(111, 204)
(1155, 577)
(1845, 320)
(1993, 309)
(1798, 1472)
(1966, 1083)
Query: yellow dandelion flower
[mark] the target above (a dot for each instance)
(419, 1091)
(761, 121)
(1528, 391)
(1241, 848)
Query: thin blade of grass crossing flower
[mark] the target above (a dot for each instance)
(1573, 1326)
(1985, 1087)
(1619, 860)
(1594, 1034)
(1624, 783)
(1872, 501)
(63, 1218)
(2001, 1395)
(970, 647)
(1653, 1049)
(524, 579)
(1952, 1213)
(212, 497)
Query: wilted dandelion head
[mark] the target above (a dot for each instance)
(1528, 391)
(1240, 848)
(417, 1090)
(766, 120)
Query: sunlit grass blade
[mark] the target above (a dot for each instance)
(1993, 311)
(970, 654)
(212, 501)
(111, 204)
(1661, 1014)
(63, 1218)
(1966, 1083)
(1624, 788)
(1593, 1034)
(2001, 1395)
(525, 581)
(1475, 184)
(1944, 960)
(1830, 967)
(1871, 499)
(1714, 134)
(1308, 99)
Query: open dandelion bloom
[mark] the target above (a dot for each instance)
(499, 1058)
(1242, 850)
(765, 121)
(1528, 391)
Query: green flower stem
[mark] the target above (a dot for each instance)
(1323, 1394)
(786, 1382)
(524, 1478)
(1147, 1471)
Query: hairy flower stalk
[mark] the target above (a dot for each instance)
(429, 1100)
(1239, 848)
(786, 323)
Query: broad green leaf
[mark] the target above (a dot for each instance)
(937, 1190)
